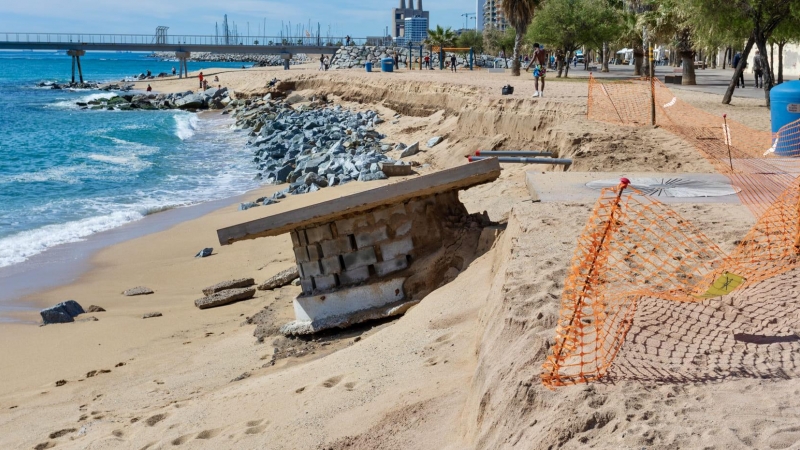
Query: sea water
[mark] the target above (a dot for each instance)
(67, 173)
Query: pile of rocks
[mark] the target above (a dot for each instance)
(212, 98)
(311, 146)
(54, 85)
(258, 60)
(358, 56)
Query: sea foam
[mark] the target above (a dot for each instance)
(185, 125)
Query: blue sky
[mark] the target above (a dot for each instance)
(356, 18)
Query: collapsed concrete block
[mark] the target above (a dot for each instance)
(392, 250)
(361, 258)
(139, 290)
(225, 297)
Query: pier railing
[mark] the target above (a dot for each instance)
(150, 39)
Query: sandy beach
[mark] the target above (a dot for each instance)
(458, 371)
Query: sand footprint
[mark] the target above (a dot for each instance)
(350, 385)
(333, 381)
(256, 430)
(181, 440)
(208, 434)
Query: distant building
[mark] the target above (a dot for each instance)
(493, 15)
(416, 29)
(479, 14)
(399, 16)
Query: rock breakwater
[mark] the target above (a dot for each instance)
(212, 98)
(257, 60)
(310, 144)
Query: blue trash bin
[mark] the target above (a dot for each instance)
(785, 109)
(368, 66)
(387, 65)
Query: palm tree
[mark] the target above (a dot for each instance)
(519, 14)
(440, 37)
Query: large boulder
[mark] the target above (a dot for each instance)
(225, 297)
(64, 312)
(411, 150)
(193, 101)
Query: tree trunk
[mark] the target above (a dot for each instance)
(687, 57)
(517, 48)
(761, 43)
(586, 55)
(605, 57)
(725, 58)
(726, 100)
(638, 58)
(780, 61)
(772, 59)
(559, 65)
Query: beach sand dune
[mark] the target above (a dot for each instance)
(459, 370)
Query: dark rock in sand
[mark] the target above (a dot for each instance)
(60, 383)
(139, 290)
(231, 284)
(64, 312)
(151, 315)
(280, 280)
(88, 319)
(204, 253)
(225, 297)
(241, 377)
(94, 309)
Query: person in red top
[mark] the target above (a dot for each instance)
(201, 80)
(149, 88)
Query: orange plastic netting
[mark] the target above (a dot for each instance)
(635, 247)
(761, 165)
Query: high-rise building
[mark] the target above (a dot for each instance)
(416, 30)
(399, 16)
(493, 15)
(479, 14)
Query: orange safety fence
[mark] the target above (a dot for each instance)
(635, 247)
(761, 165)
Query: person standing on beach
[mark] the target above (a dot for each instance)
(758, 69)
(427, 60)
(201, 79)
(173, 71)
(453, 63)
(539, 70)
(321, 63)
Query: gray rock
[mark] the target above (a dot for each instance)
(95, 309)
(64, 312)
(248, 205)
(411, 150)
(434, 141)
(139, 290)
(281, 279)
(151, 315)
(231, 284)
(204, 253)
(225, 297)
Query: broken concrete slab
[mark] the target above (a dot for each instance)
(223, 298)
(139, 290)
(230, 284)
(339, 308)
(462, 177)
(152, 315)
(434, 141)
(283, 278)
(395, 170)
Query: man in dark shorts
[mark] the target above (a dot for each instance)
(539, 65)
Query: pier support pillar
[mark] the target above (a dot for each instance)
(76, 59)
(183, 68)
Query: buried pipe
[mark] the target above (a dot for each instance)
(513, 153)
(506, 159)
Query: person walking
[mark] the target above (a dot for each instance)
(201, 79)
(736, 59)
(321, 63)
(453, 62)
(173, 71)
(427, 61)
(539, 68)
(758, 70)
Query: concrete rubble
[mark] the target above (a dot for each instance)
(225, 297)
(281, 279)
(231, 284)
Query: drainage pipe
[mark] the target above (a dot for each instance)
(506, 159)
(512, 153)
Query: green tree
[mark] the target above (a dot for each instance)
(567, 25)
(473, 39)
(760, 17)
(440, 37)
(519, 14)
(787, 32)
(495, 40)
